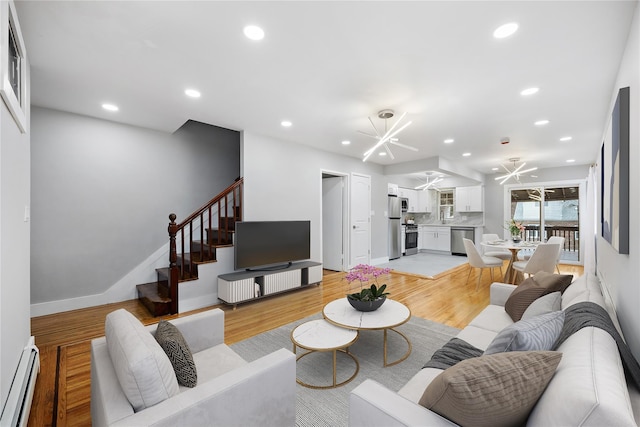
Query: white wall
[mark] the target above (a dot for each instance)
(283, 182)
(621, 273)
(15, 326)
(102, 193)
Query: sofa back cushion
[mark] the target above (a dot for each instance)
(588, 388)
(142, 367)
(584, 288)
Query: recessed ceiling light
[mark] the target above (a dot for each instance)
(286, 123)
(494, 169)
(110, 107)
(192, 93)
(541, 122)
(566, 138)
(466, 154)
(345, 142)
(571, 160)
(529, 91)
(448, 141)
(505, 30)
(382, 153)
(253, 32)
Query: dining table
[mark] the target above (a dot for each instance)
(514, 247)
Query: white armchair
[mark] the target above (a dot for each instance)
(229, 392)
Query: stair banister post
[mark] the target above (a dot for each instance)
(174, 270)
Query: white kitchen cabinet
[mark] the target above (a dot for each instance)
(412, 198)
(469, 199)
(426, 200)
(436, 238)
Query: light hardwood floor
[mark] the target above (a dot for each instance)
(63, 393)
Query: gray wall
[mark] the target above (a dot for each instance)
(102, 193)
(621, 272)
(15, 326)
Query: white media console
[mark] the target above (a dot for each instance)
(243, 286)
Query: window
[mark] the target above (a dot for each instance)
(547, 211)
(13, 76)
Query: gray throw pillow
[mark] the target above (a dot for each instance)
(535, 334)
(496, 390)
(178, 352)
(545, 304)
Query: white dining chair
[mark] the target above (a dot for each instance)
(504, 254)
(553, 240)
(543, 259)
(480, 261)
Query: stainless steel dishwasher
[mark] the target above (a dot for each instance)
(457, 234)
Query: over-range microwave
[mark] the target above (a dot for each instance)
(404, 203)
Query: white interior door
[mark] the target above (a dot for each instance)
(332, 223)
(360, 207)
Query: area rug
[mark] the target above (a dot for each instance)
(425, 264)
(330, 407)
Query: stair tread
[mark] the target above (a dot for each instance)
(150, 292)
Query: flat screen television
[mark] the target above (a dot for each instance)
(260, 245)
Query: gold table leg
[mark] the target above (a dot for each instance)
(384, 348)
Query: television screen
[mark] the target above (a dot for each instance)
(271, 243)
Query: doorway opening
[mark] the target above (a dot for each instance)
(335, 220)
(547, 211)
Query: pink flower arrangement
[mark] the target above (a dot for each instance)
(365, 272)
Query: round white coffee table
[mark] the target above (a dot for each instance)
(319, 335)
(388, 316)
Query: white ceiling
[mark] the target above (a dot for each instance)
(327, 66)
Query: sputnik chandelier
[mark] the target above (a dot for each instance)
(429, 184)
(388, 136)
(515, 173)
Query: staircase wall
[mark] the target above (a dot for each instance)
(101, 196)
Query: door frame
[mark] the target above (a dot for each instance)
(344, 176)
(582, 197)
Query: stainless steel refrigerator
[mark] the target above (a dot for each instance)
(395, 227)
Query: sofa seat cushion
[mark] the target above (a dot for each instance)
(215, 361)
(142, 367)
(588, 388)
(495, 390)
(492, 318)
(477, 337)
(415, 387)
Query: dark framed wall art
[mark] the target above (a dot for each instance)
(614, 158)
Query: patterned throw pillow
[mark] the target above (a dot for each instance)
(173, 343)
(535, 334)
(496, 390)
(540, 284)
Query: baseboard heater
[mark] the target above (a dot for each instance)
(18, 405)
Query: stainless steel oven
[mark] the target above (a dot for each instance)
(411, 239)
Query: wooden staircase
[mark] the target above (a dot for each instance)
(193, 242)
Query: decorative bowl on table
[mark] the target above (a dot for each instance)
(362, 305)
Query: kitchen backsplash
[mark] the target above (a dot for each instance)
(459, 218)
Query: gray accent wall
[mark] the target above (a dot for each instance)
(102, 193)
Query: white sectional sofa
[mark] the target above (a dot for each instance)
(229, 390)
(587, 389)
